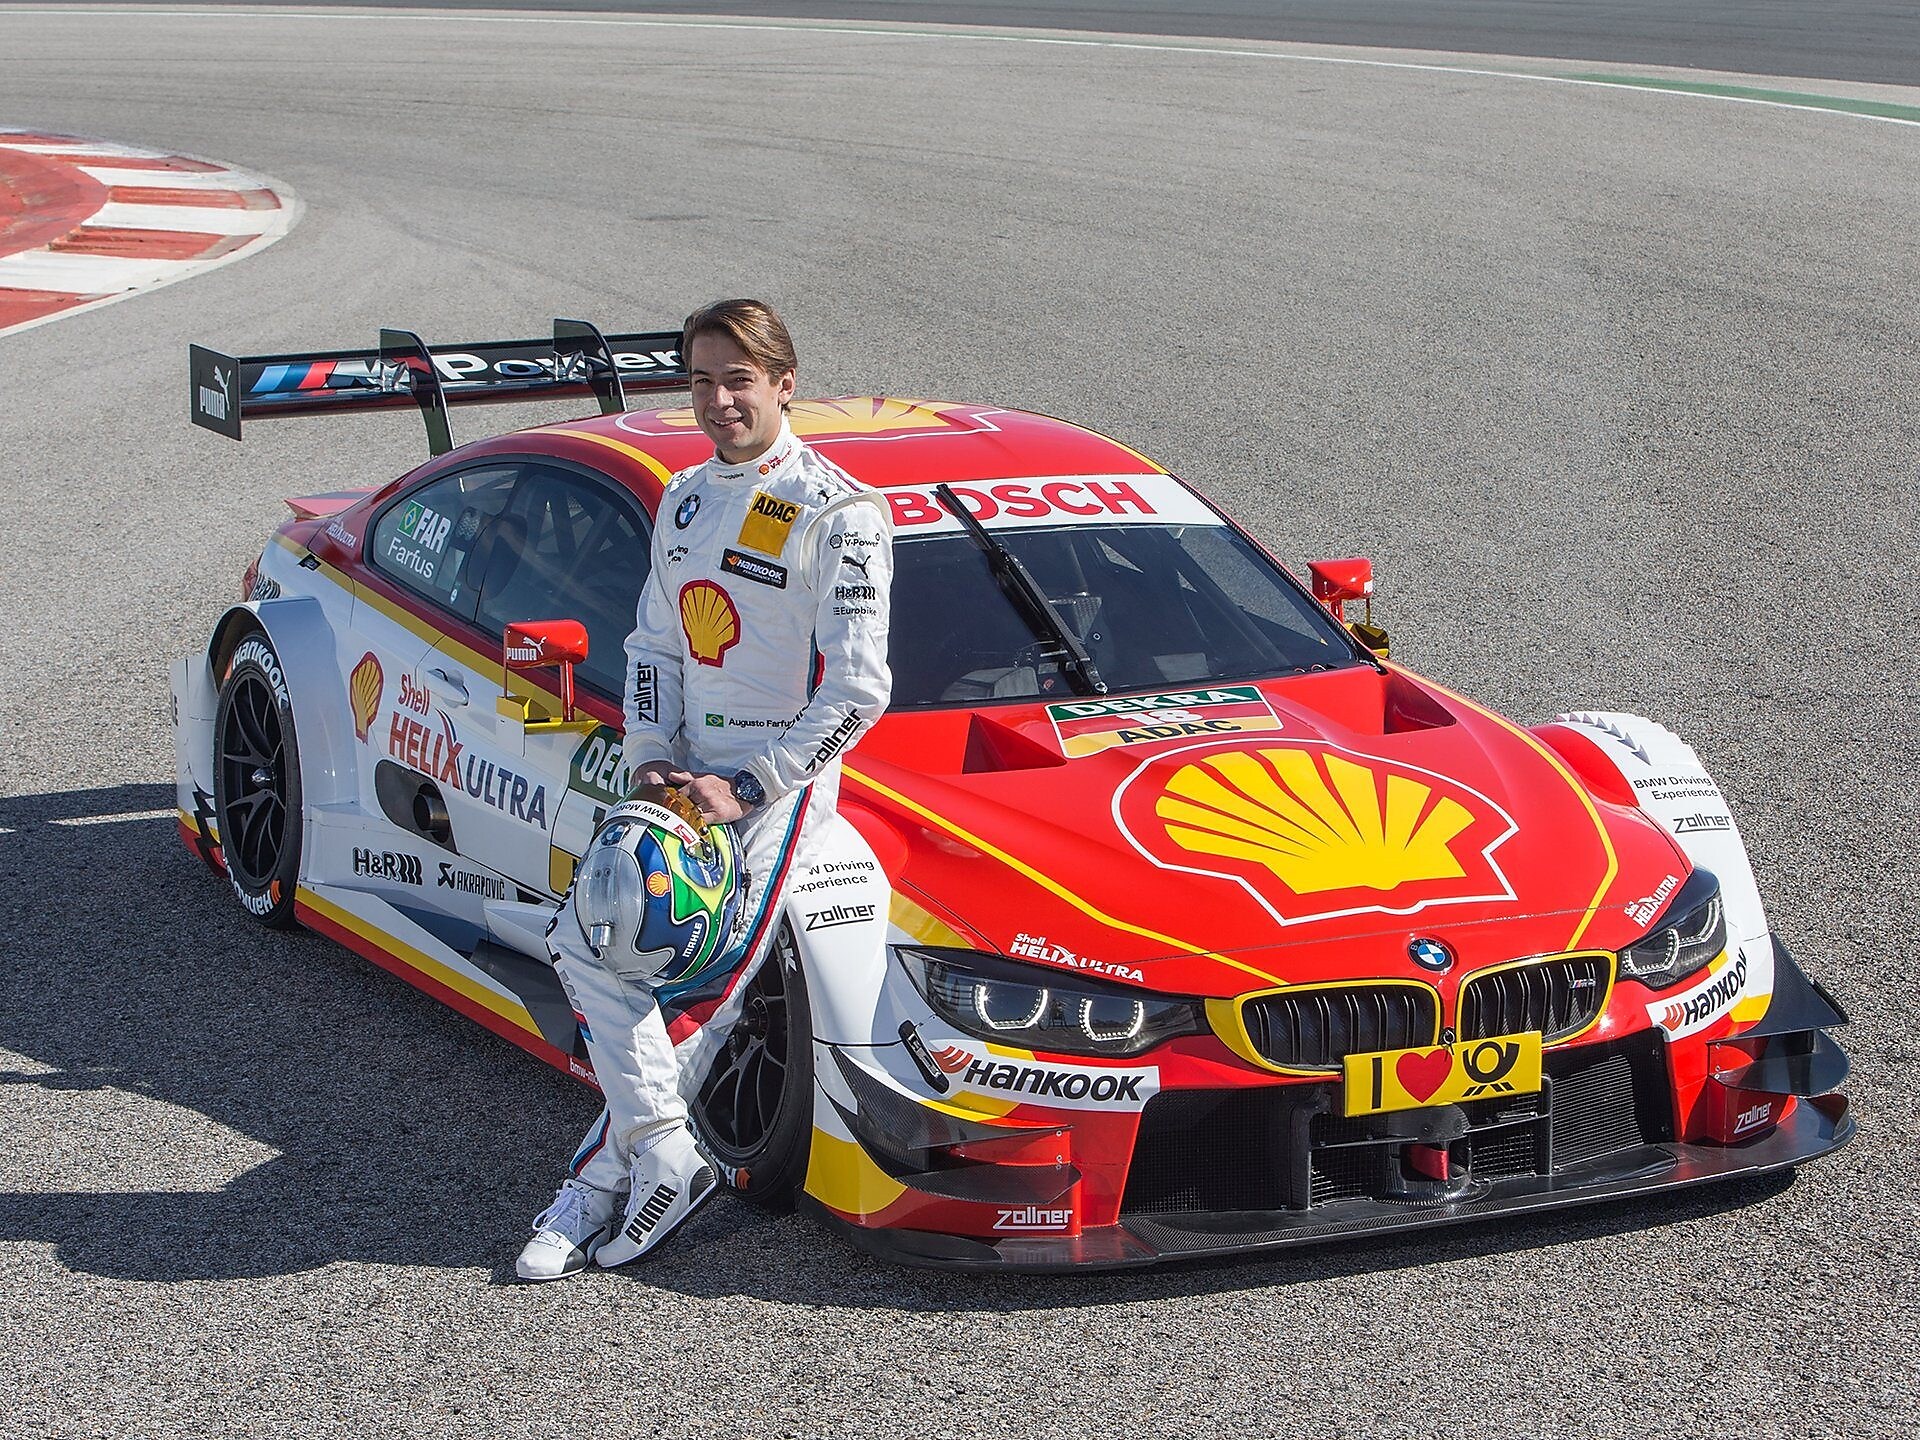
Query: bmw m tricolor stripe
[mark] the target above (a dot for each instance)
(596, 1138)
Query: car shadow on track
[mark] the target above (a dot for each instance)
(400, 1133)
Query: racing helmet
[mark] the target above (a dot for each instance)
(658, 895)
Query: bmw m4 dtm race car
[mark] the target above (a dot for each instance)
(1164, 916)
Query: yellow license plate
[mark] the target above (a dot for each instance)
(1444, 1075)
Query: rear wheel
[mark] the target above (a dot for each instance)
(754, 1111)
(256, 783)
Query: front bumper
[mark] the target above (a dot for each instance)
(1813, 1128)
(1263, 1168)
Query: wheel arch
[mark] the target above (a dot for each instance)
(1629, 759)
(303, 638)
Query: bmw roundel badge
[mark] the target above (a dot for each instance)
(689, 508)
(1430, 954)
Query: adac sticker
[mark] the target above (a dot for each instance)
(1085, 727)
(767, 523)
(1311, 831)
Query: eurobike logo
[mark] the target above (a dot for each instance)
(1071, 1089)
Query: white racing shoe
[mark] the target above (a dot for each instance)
(568, 1232)
(670, 1180)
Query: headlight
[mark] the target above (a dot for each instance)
(1012, 1004)
(1691, 932)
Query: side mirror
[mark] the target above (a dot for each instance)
(535, 645)
(1335, 583)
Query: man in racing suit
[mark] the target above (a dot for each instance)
(758, 658)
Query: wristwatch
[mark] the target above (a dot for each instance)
(748, 790)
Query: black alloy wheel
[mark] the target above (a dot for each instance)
(754, 1112)
(256, 783)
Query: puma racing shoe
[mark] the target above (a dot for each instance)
(568, 1232)
(670, 1180)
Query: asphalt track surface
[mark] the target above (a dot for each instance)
(1616, 387)
(1869, 40)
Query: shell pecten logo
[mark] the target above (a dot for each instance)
(711, 622)
(1311, 832)
(365, 687)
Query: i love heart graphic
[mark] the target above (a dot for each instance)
(1420, 1073)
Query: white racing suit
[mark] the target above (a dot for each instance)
(761, 645)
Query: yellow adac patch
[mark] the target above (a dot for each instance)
(767, 524)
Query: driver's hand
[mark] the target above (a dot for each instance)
(712, 795)
(654, 772)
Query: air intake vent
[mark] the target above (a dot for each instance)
(1311, 1028)
(1559, 996)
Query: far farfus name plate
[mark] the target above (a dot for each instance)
(1443, 1075)
(1086, 726)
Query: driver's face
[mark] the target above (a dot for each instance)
(737, 403)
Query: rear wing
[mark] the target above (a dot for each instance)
(402, 371)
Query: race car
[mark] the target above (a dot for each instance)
(1164, 915)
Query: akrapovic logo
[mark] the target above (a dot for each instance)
(386, 865)
(472, 882)
(1033, 1217)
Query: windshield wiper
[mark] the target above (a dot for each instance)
(1028, 598)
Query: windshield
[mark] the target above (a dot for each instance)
(1153, 604)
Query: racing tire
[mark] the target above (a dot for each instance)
(754, 1110)
(256, 782)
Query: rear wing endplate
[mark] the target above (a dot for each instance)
(403, 372)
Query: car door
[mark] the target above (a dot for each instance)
(567, 543)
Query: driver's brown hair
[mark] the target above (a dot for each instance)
(750, 324)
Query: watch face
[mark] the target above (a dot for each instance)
(748, 789)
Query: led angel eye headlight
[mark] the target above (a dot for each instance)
(1690, 933)
(1111, 1019)
(1009, 1007)
(994, 998)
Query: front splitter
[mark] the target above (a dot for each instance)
(1816, 1127)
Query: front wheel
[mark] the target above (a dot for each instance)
(256, 783)
(754, 1111)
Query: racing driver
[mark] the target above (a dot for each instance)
(758, 658)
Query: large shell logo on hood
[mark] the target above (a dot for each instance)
(364, 687)
(1312, 832)
(711, 623)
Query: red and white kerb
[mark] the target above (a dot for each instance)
(85, 222)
